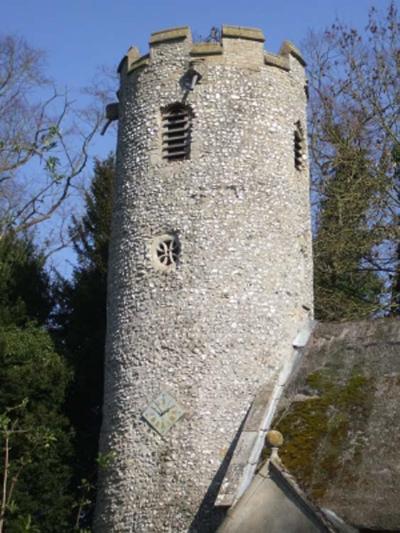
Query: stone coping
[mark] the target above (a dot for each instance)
(132, 55)
(289, 48)
(141, 62)
(206, 49)
(240, 32)
(169, 34)
(276, 61)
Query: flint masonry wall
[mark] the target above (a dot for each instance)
(215, 327)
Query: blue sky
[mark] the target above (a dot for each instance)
(78, 36)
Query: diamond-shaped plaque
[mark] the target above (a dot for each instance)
(163, 413)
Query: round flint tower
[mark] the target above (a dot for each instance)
(210, 267)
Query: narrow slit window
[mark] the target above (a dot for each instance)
(176, 132)
(299, 147)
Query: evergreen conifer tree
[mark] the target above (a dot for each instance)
(82, 319)
(345, 289)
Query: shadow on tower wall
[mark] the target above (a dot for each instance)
(209, 517)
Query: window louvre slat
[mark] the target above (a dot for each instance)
(175, 114)
(173, 146)
(173, 134)
(177, 155)
(175, 126)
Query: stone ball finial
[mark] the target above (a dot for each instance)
(274, 438)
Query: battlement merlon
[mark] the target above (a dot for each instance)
(239, 45)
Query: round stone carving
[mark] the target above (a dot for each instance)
(165, 252)
(274, 438)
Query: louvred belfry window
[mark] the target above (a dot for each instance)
(176, 132)
(299, 147)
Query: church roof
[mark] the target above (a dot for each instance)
(340, 418)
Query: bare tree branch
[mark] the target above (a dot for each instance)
(44, 139)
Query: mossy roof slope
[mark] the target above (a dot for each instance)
(340, 417)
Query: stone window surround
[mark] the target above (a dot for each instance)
(165, 251)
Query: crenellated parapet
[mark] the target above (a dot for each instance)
(238, 45)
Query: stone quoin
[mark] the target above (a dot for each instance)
(210, 275)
